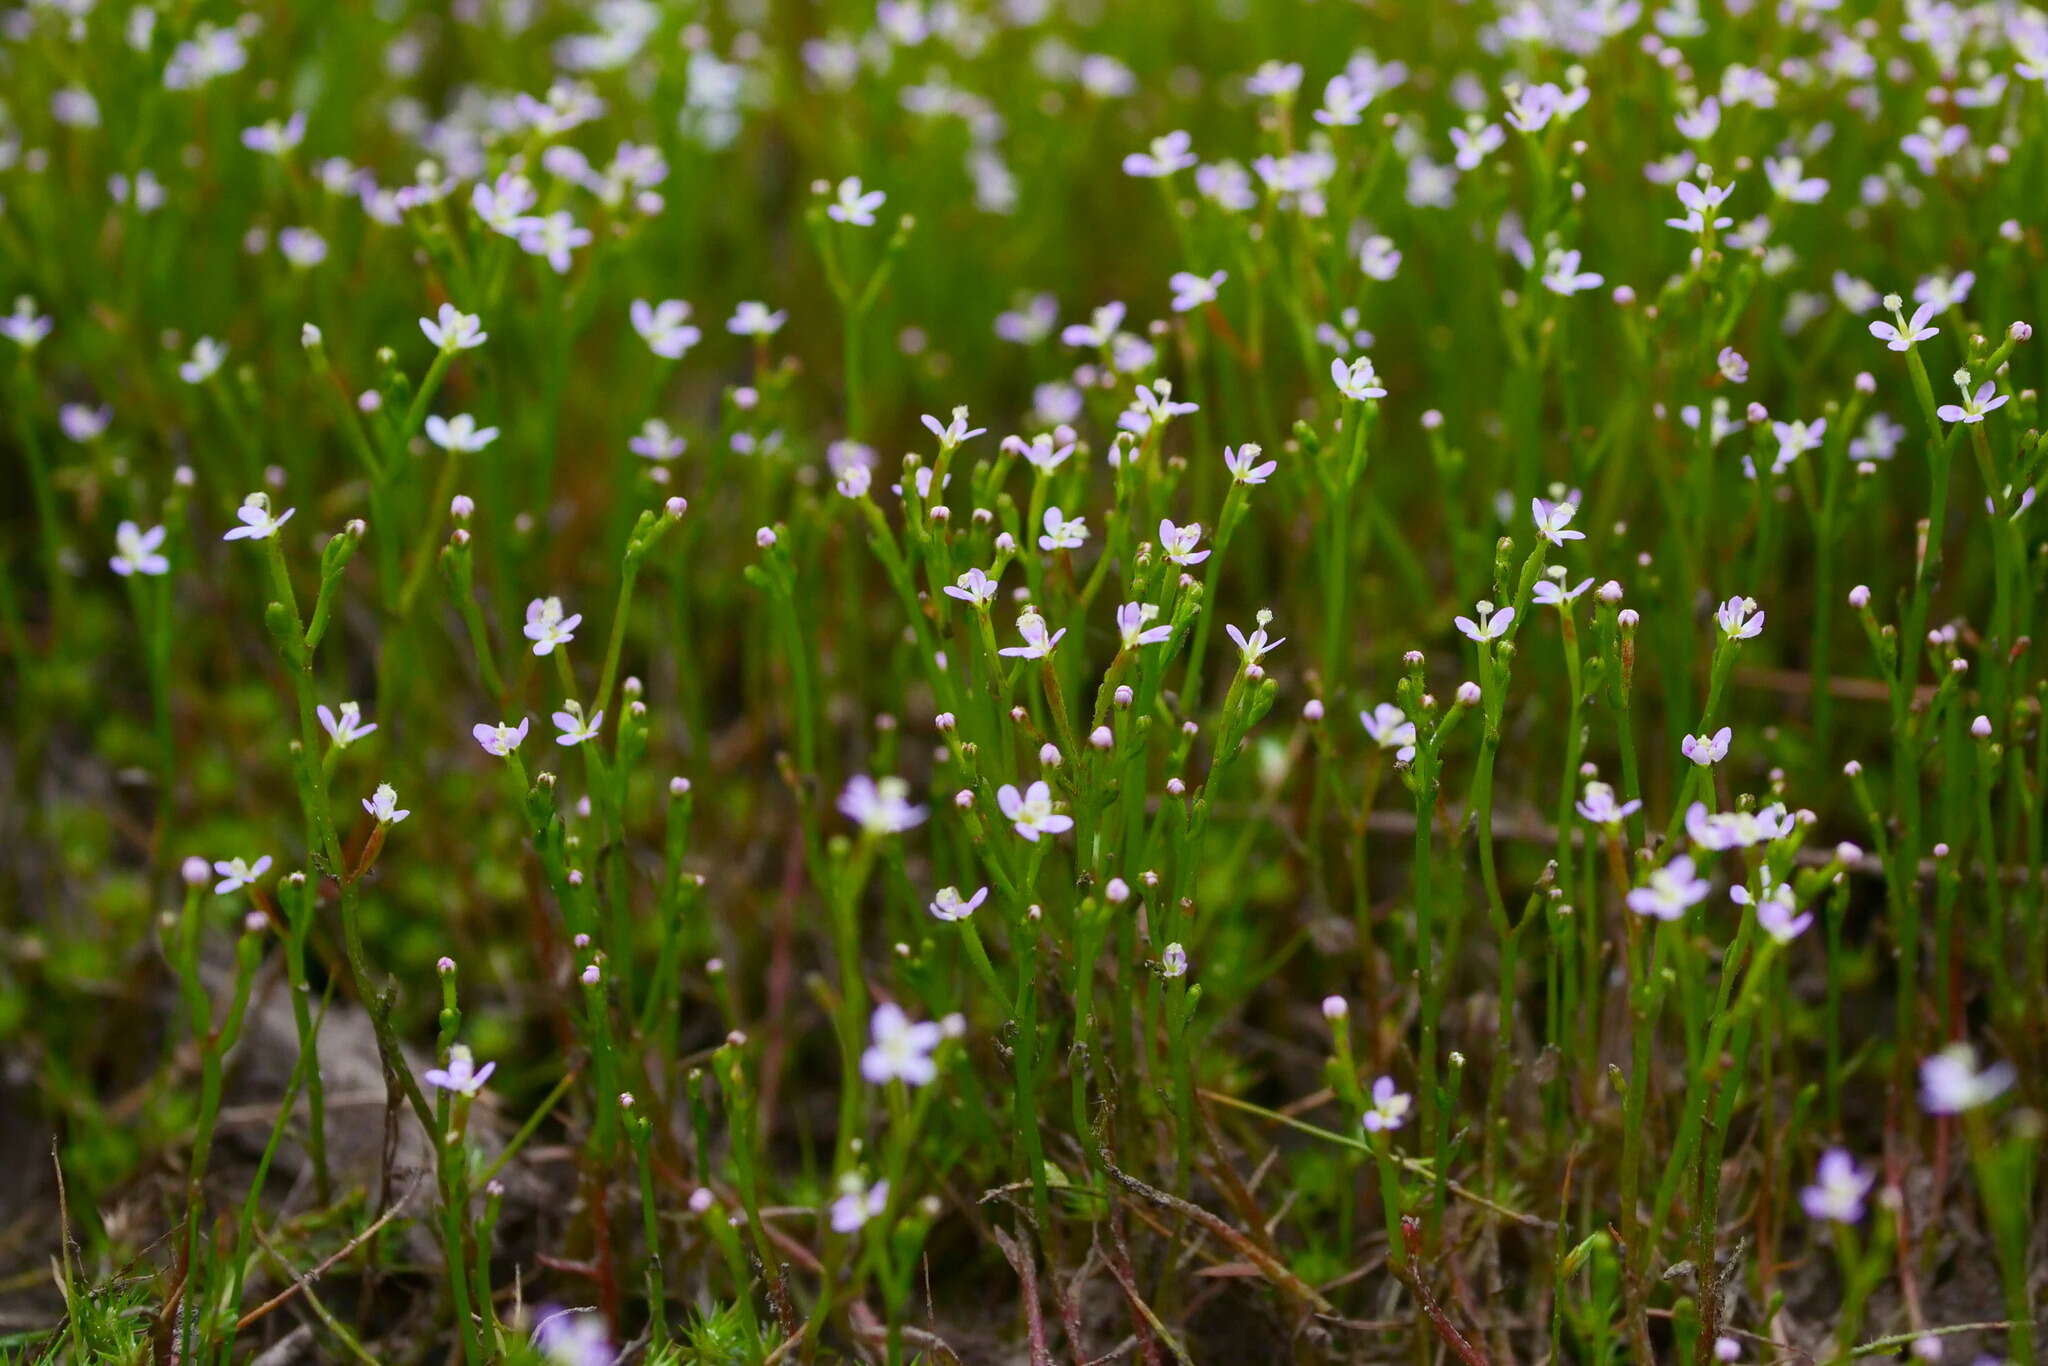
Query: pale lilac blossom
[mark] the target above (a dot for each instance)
(1030, 812)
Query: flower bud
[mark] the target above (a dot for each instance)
(1117, 890)
(1981, 728)
(1468, 694)
(943, 721)
(1336, 1008)
(2020, 331)
(195, 871)
(1312, 710)
(1124, 695)
(963, 799)
(1101, 738)
(1049, 755)
(444, 965)
(765, 537)
(1859, 596)
(1175, 787)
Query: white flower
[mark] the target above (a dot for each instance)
(1700, 204)
(1552, 593)
(554, 237)
(1062, 532)
(1165, 156)
(346, 728)
(1974, 406)
(1151, 405)
(1902, 333)
(137, 550)
(459, 433)
(1030, 812)
(1255, 646)
(1561, 275)
(1531, 109)
(302, 248)
(1344, 102)
(1037, 644)
(1671, 889)
(1598, 805)
(1700, 122)
(1378, 258)
(1795, 439)
(947, 903)
(1945, 291)
(1475, 147)
(1736, 829)
(1173, 961)
(1178, 543)
(383, 805)
(1950, 1082)
(500, 739)
(1777, 910)
(1243, 464)
(656, 441)
(754, 319)
(951, 434)
(547, 626)
(207, 355)
(665, 327)
(257, 523)
(853, 207)
(974, 587)
(1390, 728)
(899, 1050)
(856, 1206)
(1191, 291)
(1491, 625)
(25, 327)
(575, 726)
(504, 202)
(236, 874)
(84, 424)
(1707, 750)
(1551, 519)
(461, 1076)
(1389, 1107)
(1098, 331)
(1356, 380)
(1838, 1189)
(880, 807)
(1790, 182)
(453, 330)
(1133, 624)
(1739, 618)
(1045, 452)
(276, 137)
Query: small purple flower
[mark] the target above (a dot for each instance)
(461, 1076)
(1838, 1190)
